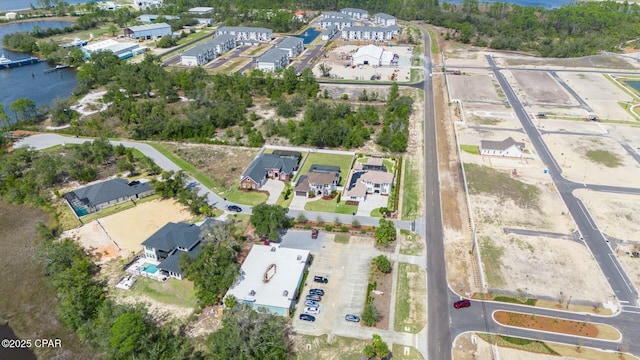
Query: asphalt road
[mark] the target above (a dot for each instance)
(622, 287)
(430, 227)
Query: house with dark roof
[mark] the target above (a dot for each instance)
(273, 166)
(273, 60)
(321, 180)
(95, 197)
(507, 148)
(367, 178)
(167, 245)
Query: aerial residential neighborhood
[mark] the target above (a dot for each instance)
(397, 180)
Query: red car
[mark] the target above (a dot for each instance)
(464, 303)
(314, 233)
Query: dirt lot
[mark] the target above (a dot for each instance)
(540, 87)
(210, 159)
(571, 154)
(338, 69)
(474, 85)
(121, 234)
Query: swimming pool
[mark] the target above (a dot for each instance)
(150, 268)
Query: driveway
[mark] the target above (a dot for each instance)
(274, 187)
(372, 202)
(298, 202)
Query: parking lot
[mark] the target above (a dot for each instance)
(347, 267)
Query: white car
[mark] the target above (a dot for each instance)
(311, 310)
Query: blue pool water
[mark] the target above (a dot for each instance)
(151, 269)
(308, 36)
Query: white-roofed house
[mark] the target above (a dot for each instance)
(368, 55)
(293, 45)
(356, 14)
(384, 19)
(507, 147)
(270, 277)
(273, 60)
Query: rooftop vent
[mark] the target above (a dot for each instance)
(299, 257)
(252, 293)
(273, 248)
(285, 293)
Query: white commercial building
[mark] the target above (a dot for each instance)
(207, 51)
(293, 45)
(201, 10)
(148, 31)
(273, 60)
(270, 277)
(246, 35)
(384, 19)
(368, 55)
(123, 50)
(356, 14)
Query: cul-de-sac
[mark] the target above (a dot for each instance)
(199, 179)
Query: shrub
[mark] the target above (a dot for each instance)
(307, 227)
(344, 229)
(383, 264)
(371, 315)
(328, 228)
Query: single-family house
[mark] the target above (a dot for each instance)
(95, 197)
(361, 181)
(293, 45)
(356, 14)
(166, 246)
(273, 60)
(274, 166)
(246, 35)
(207, 51)
(321, 180)
(507, 148)
(148, 31)
(329, 32)
(384, 19)
(270, 277)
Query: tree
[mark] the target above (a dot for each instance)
(25, 110)
(325, 69)
(371, 315)
(113, 29)
(127, 333)
(167, 41)
(385, 233)
(247, 334)
(269, 219)
(4, 118)
(383, 264)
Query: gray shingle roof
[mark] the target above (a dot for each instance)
(243, 29)
(354, 10)
(105, 191)
(174, 235)
(290, 42)
(258, 168)
(273, 55)
(324, 168)
(384, 16)
(206, 46)
(369, 28)
(330, 30)
(500, 145)
(172, 262)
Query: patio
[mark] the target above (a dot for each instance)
(147, 268)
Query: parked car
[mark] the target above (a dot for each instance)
(320, 279)
(312, 310)
(352, 318)
(464, 303)
(307, 317)
(316, 292)
(314, 233)
(314, 297)
(311, 303)
(235, 208)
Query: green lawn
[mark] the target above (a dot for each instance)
(491, 255)
(604, 157)
(343, 161)
(389, 164)
(330, 206)
(341, 238)
(410, 192)
(116, 209)
(471, 149)
(410, 309)
(376, 213)
(413, 244)
(172, 291)
(398, 353)
(252, 198)
(486, 180)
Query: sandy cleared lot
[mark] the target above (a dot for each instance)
(365, 72)
(476, 86)
(121, 234)
(570, 153)
(540, 87)
(589, 127)
(335, 91)
(617, 215)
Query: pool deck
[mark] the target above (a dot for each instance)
(137, 268)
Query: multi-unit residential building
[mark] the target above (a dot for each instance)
(273, 60)
(339, 22)
(329, 32)
(370, 32)
(356, 14)
(384, 19)
(246, 35)
(293, 45)
(205, 52)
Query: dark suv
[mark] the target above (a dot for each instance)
(464, 303)
(307, 317)
(320, 279)
(316, 292)
(235, 208)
